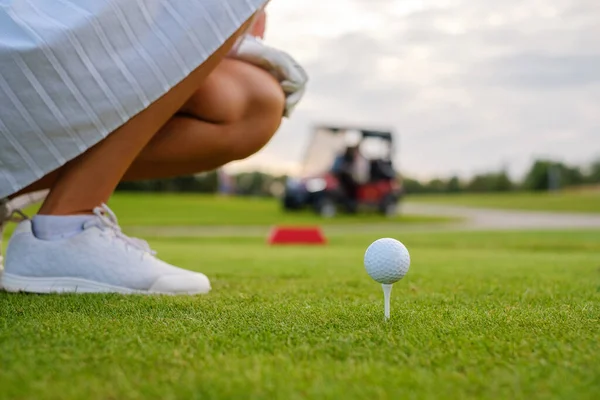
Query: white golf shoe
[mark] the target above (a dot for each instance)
(101, 259)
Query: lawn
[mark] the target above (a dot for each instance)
(193, 210)
(584, 202)
(479, 315)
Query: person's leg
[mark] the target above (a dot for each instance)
(89, 180)
(231, 116)
(98, 257)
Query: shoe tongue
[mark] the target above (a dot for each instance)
(104, 221)
(98, 221)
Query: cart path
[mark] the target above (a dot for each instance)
(472, 219)
(502, 219)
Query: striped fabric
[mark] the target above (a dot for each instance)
(72, 71)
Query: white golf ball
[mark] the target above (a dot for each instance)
(387, 260)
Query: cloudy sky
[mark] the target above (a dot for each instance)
(469, 86)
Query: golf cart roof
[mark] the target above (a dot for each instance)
(382, 134)
(329, 141)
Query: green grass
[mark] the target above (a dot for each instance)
(585, 202)
(479, 315)
(186, 210)
(193, 210)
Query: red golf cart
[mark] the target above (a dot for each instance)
(320, 186)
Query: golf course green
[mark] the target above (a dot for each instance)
(482, 315)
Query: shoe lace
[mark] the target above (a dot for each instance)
(107, 220)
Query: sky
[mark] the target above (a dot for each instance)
(468, 86)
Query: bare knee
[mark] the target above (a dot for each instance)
(246, 101)
(230, 91)
(261, 119)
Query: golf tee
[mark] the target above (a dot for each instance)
(387, 293)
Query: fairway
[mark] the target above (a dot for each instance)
(584, 202)
(479, 315)
(218, 200)
(192, 210)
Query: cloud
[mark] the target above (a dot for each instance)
(541, 72)
(468, 86)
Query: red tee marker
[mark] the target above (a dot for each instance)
(296, 235)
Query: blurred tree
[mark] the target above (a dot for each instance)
(479, 183)
(454, 185)
(413, 186)
(571, 175)
(543, 175)
(253, 183)
(203, 183)
(502, 182)
(436, 186)
(538, 177)
(550, 175)
(490, 182)
(594, 174)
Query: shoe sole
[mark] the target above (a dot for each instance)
(15, 284)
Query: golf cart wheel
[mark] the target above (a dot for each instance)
(390, 207)
(326, 208)
(289, 204)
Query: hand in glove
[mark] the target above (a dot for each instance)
(290, 75)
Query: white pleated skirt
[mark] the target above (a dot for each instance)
(73, 71)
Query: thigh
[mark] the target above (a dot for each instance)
(232, 90)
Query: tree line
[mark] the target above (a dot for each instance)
(543, 175)
(244, 184)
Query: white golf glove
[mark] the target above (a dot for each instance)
(290, 75)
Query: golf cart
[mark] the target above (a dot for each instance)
(320, 187)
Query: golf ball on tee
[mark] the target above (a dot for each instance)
(387, 261)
